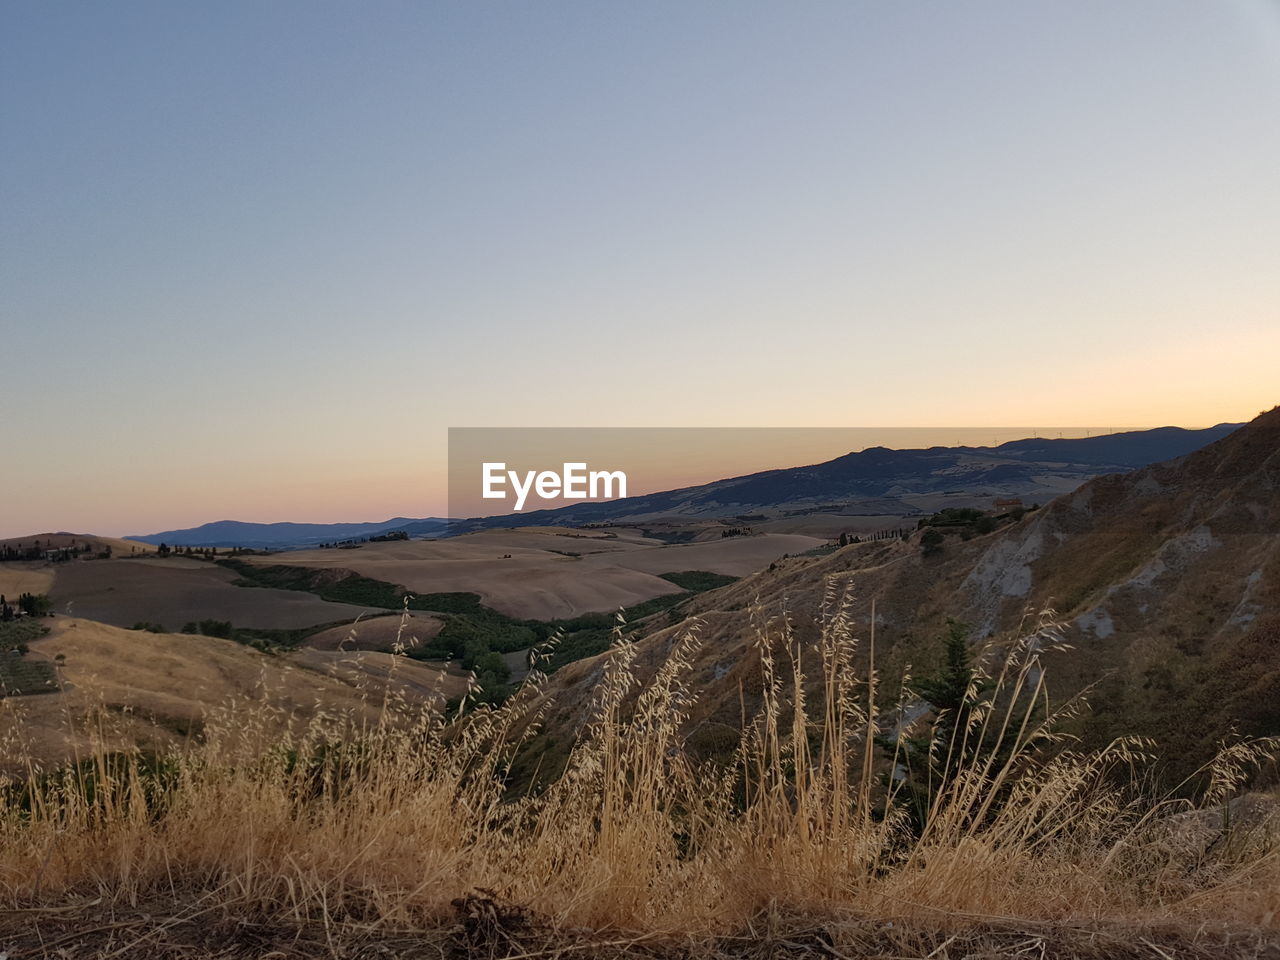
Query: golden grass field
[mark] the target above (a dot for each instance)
(395, 836)
(417, 681)
(376, 633)
(538, 582)
(159, 689)
(18, 577)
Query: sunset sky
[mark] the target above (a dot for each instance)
(256, 258)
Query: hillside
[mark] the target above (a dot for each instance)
(34, 573)
(77, 541)
(1167, 577)
(155, 691)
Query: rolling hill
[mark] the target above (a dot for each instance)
(547, 574)
(174, 590)
(156, 691)
(72, 541)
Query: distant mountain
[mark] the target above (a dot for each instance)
(431, 527)
(876, 481)
(883, 481)
(263, 536)
(1133, 449)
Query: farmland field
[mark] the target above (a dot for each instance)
(377, 633)
(172, 591)
(546, 573)
(25, 577)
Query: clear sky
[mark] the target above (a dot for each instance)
(255, 258)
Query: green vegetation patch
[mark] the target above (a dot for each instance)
(822, 550)
(19, 673)
(698, 580)
(16, 634)
(336, 586)
(966, 522)
(672, 537)
(473, 636)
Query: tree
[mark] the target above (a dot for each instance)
(929, 761)
(947, 691)
(216, 628)
(34, 604)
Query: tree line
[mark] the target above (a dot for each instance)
(847, 538)
(29, 604)
(21, 551)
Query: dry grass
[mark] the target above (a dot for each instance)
(375, 633)
(156, 690)
(514, 572)
(19, 577)
(399, 838)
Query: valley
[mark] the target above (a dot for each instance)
(1104, 557)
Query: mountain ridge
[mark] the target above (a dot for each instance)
(873, 481)
(882, 480)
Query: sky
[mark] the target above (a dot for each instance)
(256, 259)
